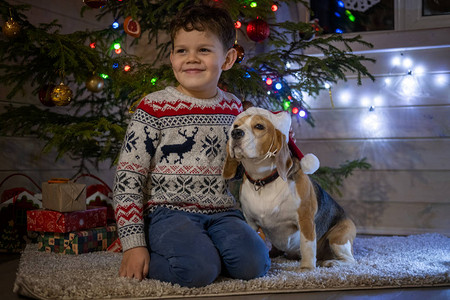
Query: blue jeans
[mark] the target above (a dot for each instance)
(192, 249)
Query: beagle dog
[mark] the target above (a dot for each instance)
(296, 215)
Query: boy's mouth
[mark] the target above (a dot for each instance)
(193, 71)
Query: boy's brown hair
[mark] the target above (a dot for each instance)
(205, 18)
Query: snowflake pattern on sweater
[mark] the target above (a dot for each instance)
(172, 155)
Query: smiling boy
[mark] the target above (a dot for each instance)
(177, 220)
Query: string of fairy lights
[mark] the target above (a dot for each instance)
(275, 85)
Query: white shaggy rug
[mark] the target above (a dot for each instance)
(382, 262)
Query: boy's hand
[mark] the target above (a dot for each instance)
(135, 263)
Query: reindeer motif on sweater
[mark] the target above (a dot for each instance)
(179, 149)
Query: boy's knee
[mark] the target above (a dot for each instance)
(196, 273)
(251, 265)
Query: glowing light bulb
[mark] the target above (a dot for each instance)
(269, 81)
(116, 46)
(238, 24)
(278, 86)
(295, 110)
(338, 30)
(92, 45)
(396, 61)
(345, 97)
(153, 81)
(302, 113)
(419, 70)
(118, 51)
(115, 25)
(274, 7)
(104, 76)
(407, 63)
(127, 68)
(253, 4)
(327, 85)
(115, 65)
(341, 4)
(441, 80)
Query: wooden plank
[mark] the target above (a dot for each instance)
(431, 89)
(402, 60)
(392, 40)
(383, 122)
(399, 218)
(383, 154)
(24, 153)
(396, 187)
(66, 12)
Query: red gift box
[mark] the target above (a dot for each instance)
(54, 221)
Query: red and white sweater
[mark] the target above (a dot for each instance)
(172, 156)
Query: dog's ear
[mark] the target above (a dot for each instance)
(283, 158)
(230, 166)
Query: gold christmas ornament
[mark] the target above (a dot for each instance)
(11, 28)
(95, 83)
(61, 95)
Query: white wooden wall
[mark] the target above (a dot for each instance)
(405, 138)
(405, 191)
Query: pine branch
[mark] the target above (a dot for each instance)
(332, 178)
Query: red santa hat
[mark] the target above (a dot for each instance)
(282, 121)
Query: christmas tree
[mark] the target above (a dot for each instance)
(100, 81)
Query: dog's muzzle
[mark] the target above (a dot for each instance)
(237, 133)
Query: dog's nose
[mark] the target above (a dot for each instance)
(237, 133)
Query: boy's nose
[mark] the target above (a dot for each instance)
(192, 57)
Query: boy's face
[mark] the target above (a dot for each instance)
(198, 58)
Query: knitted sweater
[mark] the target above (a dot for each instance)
(172, 156)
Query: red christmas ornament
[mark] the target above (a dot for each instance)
(132, 27)
(95, 3)
(45, 95)
(258, 30)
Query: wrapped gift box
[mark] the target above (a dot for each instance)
(63, 197)
(85, 241)
(54, 221)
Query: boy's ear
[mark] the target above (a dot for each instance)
(171, 56)
(229, 59)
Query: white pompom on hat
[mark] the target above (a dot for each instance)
(282, 121)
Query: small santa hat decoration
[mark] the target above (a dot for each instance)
(282, 121)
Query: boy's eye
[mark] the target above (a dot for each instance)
(204, 50)
(180, 51)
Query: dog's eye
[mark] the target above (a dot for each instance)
(259, 126)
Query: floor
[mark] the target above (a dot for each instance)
(9, 264)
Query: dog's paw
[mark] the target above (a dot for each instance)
(306, 268)
(335, 262)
